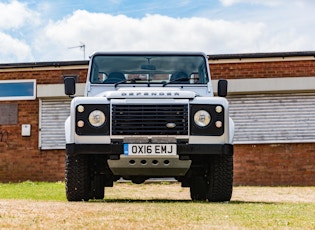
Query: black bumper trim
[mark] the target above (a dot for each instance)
(182, 149)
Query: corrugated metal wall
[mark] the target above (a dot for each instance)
(52, 119)
(259, 118)
(273, 118)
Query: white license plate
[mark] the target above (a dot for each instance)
(150, 149)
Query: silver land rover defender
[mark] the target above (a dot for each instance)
(149, 115)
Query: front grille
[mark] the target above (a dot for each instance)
(149, 119)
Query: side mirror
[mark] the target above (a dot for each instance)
(222, 88)
(69, 83)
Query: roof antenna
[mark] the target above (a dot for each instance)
(82, 46)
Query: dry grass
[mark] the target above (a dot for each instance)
(173, 192)
(166, 206)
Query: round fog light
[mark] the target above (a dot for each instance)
(80, 124)
(218, 109)
(80, 109)
(218, 124)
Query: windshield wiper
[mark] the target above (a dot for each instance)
(175, 80)
(133, 80)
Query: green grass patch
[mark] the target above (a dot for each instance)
(41, 205)
(28, 190)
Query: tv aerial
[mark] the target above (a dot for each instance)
(82, 46)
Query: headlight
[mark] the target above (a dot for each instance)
(202, 118)
(97, 118)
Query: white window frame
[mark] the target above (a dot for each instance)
(16, 98)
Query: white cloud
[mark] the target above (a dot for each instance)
(27, 35)
(12, 49)
(16, 14)
(152, 32)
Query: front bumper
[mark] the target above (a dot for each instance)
(182, 149)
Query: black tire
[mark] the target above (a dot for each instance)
(220, 178)
(78, 183)
(213, 180)
(198, 189)
(98, 190)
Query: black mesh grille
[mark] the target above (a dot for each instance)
(149, 119)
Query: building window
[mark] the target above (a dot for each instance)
(17, 90)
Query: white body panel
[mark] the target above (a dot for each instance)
(146, 94)
(71, 137)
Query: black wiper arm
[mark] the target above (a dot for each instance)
(175, 80)
(133, 80)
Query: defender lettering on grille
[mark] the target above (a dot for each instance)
(169, 94)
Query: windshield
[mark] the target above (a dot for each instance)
(149, 69)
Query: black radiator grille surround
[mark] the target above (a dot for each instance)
(211, 129)
(150, 119)
(88, 129)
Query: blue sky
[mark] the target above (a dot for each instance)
(43, 30)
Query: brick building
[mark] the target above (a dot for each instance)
(272, 102)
